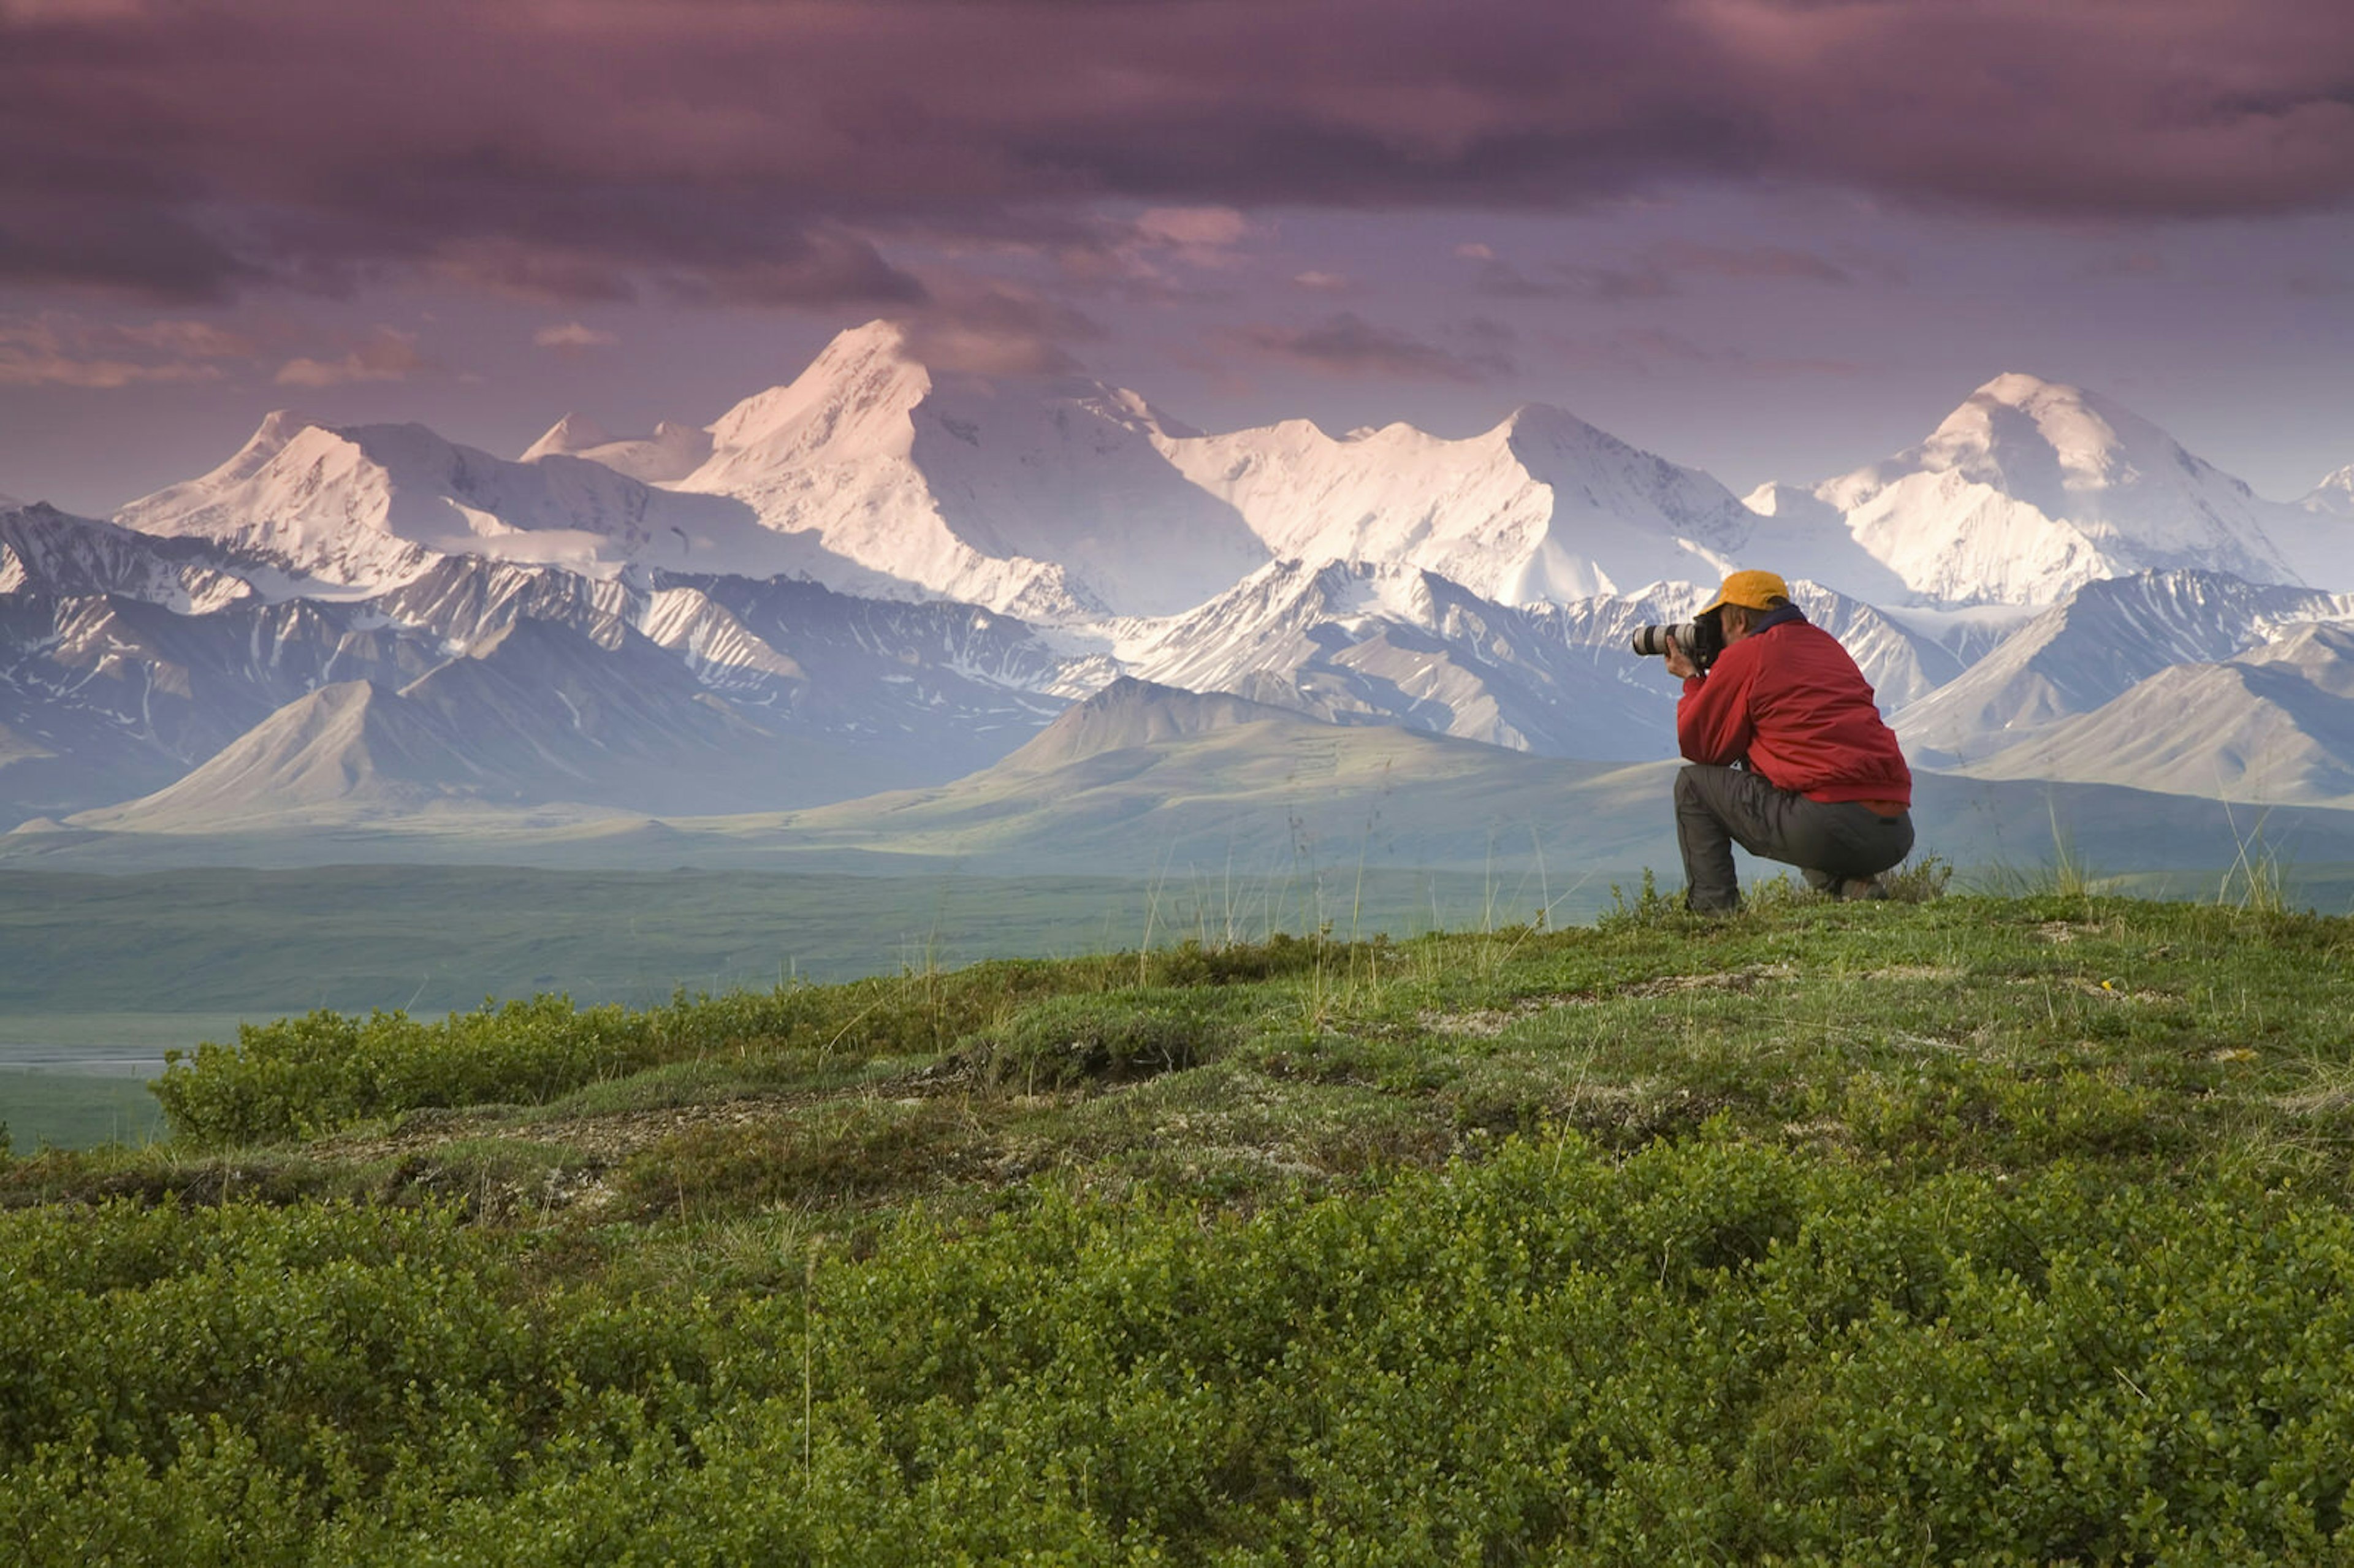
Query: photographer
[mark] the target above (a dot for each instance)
(1789, 757)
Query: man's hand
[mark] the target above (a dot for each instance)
(1678, 666)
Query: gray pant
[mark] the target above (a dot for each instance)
(1717, 808)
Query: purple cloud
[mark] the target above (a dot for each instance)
(588, 149)
(1657, 273)
(1348, 344)
(996, 329)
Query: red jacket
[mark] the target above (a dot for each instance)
(1790, 700)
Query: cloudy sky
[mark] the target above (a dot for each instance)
(1774, 239)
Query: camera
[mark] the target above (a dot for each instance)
(1702, 639)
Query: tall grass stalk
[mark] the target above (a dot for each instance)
(2255, 870)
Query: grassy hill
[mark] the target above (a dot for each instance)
(1972, 1230)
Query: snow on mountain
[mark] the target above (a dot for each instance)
(44, 550)
(105, 696)
(1799, 535)
(124, 695)
(897, 576)
(2094, 647)
(671, 452)
(1356, 643)
(2318, 533)
(930, 689)
(2334, 496)
(1900, 662)
(2031, 489)
(367, 507)
(2271, 725)
(1044, 499)
(1544, 506)
(534, 715)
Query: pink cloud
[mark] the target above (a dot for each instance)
(1317, 281)
(572, 337)
(386, 356)
(61, 350)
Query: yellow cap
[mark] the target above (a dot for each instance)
(1751, 590)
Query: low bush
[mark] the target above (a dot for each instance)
(302, 1077)
(1706, 1352)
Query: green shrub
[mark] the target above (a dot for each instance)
(1705, 1352)
(301, 1077)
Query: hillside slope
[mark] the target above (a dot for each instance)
(1515, 1243)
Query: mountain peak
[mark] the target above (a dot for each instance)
(569, 436)
(2017, 389)
(671, 452)
(2031, 488)
(860, 387)
(280, 426)
(2334, 496)
(1545, 419)
(2017, 421)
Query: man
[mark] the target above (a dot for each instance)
(1789, 757)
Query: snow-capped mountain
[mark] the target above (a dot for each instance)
(2274, 725)
(1797, 534)
(2031, 488)
(945, 686)
(1544, 506)
(1357, 642)
(105, 695)
(365, 507)
(671, 452)
(879, 576)
(1041, 499)
(1361, 643)
(53, 552)
(2104, 639)
(2334, 496)
(533, 715)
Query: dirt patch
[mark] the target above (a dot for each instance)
(1487, 1023)
(614, 1135)
(2059, 931)
(1915, 972)
(1744, 979)
(599, 1138)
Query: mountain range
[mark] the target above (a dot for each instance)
(880, 577)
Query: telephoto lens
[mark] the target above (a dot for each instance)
(1701, 640)
(1651, 641)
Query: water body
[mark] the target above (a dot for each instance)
(78, 1080)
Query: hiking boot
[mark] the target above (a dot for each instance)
(1868, 887)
